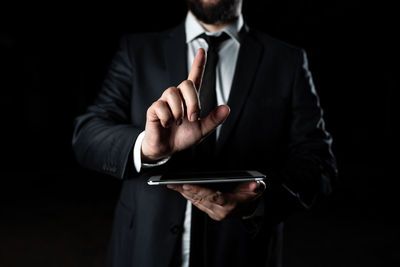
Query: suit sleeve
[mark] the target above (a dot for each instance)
(103, 136)
(309, 171)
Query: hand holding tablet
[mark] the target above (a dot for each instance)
(220, 194)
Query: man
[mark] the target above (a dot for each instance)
(154, 115)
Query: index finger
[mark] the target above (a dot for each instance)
(196, 72)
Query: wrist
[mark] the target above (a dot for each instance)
(149, 157)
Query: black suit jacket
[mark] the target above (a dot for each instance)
(275, 126)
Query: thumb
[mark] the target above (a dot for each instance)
(250, 189)
(215, 118)
(247, 187)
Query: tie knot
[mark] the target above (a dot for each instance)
(214, 41)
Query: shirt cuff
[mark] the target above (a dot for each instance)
(137, 155)
(259, 211)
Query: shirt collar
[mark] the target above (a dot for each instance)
(193, 28)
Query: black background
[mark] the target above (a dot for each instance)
(53, 59)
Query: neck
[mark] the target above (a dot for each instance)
(213, 27)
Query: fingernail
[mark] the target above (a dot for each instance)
(194, 116)
(186, 187)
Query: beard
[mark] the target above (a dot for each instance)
(223, 11)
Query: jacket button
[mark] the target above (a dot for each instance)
(176, 229)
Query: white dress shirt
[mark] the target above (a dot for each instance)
(225, 69)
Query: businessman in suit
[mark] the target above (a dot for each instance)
(210, 94)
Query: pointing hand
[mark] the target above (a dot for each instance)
(172, 122)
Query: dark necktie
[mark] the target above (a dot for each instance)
(208, 96)
(208, 101)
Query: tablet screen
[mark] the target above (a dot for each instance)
(206, 177)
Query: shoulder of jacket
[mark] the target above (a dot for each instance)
(274, 43)
(143, 37)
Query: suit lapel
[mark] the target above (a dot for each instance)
(175, 55)
(246, 69)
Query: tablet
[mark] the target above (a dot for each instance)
(206, 177)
